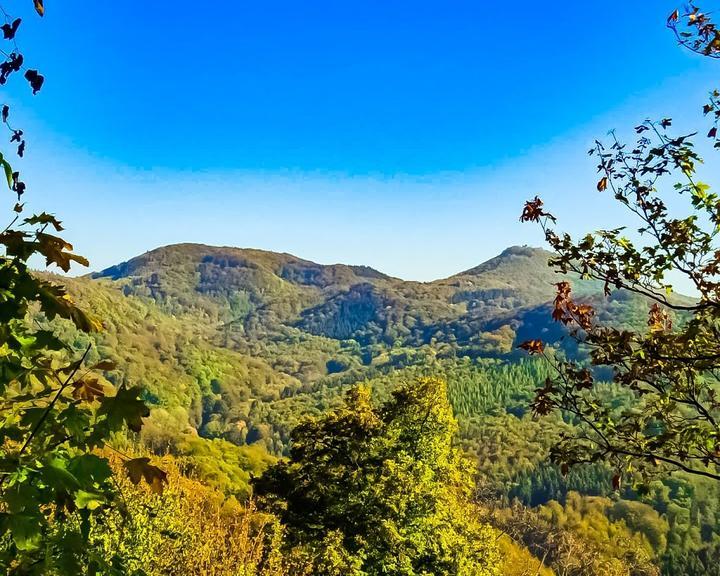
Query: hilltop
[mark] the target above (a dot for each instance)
(308, 321)
(237, 344)
(253, 293)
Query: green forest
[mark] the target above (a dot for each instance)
(202, 410)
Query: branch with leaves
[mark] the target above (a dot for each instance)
(56, 412)
(695, 31)
(669, 370)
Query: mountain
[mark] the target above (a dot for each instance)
(252, 294)
(308, 321)
(233, 346)
(238, 344)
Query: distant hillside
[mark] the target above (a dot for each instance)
(236, 344)
(254, 294)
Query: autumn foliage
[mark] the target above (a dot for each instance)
(670, 369)
(56, 408)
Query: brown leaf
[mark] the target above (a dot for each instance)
(602, 185)
(584, 380)
(532, 212)
(39, 7)
(532, 346)
(104, 365)
(658, 319)
(139, 468)
(88, 388)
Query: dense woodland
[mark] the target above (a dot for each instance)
(224, 411)
(220, 340)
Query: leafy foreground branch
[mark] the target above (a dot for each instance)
(56, 409)
(671, 370)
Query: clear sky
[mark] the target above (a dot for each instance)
(402, 135)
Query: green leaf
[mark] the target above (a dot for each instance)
(125, 407)
(26, 530)
(90, 469)
(8, 171)
(89, 500)
(56, 475)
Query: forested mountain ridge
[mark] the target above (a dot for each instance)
(217, 270)
(257, 292)
(234, 347)
(253, 296)
(238, 344)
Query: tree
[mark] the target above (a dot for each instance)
(381, 490)
(56, 410)
(191, 529)
(671, 369)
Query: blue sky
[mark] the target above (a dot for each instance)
(402, 135)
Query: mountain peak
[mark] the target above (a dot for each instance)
(183, 254)
(513, 257)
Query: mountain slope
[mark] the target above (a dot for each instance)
(255, 294)
(238, 344)
(235, 347)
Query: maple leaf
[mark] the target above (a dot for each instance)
(88, 388)
(139, 468)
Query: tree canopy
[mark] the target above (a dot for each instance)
(381, 490)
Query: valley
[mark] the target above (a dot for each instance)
(234, 348)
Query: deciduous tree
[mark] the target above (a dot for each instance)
(381, 490)
(672, 367)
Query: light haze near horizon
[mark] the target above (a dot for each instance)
(402, 139)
